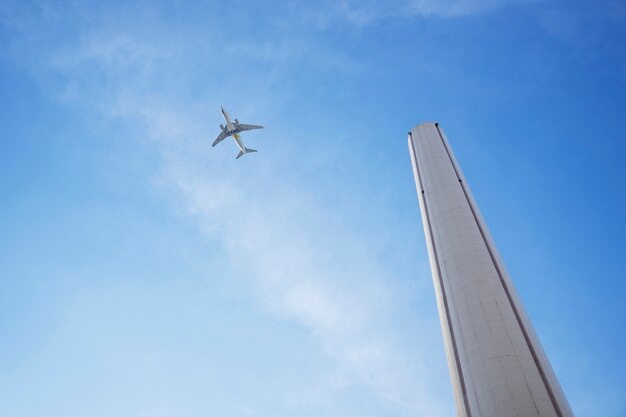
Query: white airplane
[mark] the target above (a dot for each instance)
(233, 129)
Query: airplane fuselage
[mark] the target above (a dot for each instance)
(231, 130)
(229, 124)
(239, 142)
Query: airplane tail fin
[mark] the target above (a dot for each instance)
(247, 150)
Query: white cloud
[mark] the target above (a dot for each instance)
(296, 278)
(297, 255)
(362, 13)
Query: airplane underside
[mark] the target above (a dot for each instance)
(232, 129)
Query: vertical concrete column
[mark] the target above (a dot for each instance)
(497, 365)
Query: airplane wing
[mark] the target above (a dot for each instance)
(220, 138)
(243, 127)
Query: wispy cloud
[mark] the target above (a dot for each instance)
(297, 255)
(340, 296)
(363, 13)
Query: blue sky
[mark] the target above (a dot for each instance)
(143, 273)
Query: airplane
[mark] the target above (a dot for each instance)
(233, 128)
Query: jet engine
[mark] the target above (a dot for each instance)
(222, 127)
(237, 122)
